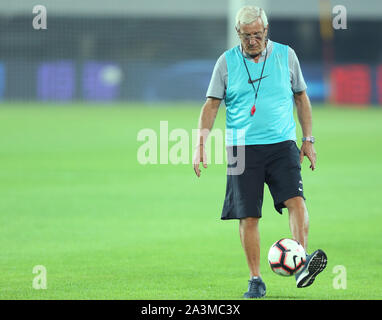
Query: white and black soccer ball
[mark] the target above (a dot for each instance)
(286, 257)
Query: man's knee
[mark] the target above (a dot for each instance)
(296, 203)
(249, 222)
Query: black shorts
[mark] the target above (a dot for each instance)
(277, 165)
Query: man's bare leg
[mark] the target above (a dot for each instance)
(298, 220)
(250, 240)
(299, 225)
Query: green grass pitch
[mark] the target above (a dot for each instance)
(74, 199)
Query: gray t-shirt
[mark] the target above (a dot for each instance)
(219, 79)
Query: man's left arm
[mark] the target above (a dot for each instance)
(304, 112)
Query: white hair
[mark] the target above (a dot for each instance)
(249, 14)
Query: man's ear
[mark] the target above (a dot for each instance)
(266, 33)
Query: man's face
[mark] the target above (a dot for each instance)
(253, 36)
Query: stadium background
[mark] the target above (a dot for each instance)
(74, 198)
(163, 51)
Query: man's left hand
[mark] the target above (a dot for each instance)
(307, 149)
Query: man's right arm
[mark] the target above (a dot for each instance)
(206, 122)
(215, 94)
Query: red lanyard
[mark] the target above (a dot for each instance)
(253, 109)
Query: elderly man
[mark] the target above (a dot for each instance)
(259, 81)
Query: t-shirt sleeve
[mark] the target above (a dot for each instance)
(297, 79)
(218, 82)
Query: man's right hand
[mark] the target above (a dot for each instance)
(206, 121)
(199, 156)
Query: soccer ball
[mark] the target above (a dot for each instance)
(286, 257)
